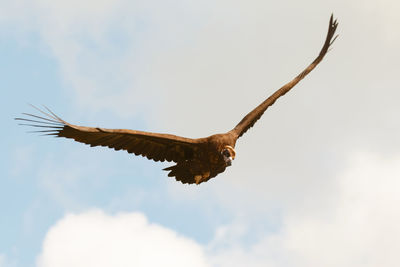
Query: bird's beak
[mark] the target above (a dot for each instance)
(229, 161)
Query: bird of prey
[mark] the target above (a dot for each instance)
(197, 160)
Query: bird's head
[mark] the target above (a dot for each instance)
(228, 154)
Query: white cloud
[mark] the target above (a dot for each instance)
(358, 228)
(356, 225)
(127, 239)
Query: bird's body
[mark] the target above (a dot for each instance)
(207, 161)
(197, 160)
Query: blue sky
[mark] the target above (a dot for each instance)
(315, 182)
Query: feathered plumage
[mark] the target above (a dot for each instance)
(197, 160)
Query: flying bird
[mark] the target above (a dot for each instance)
(197, 160)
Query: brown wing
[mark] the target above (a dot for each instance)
(250, 119)
(155, 146)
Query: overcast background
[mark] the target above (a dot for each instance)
(316, 182)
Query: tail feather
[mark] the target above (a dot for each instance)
(181, 173)
(192, 172)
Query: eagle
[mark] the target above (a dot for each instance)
(196, 160)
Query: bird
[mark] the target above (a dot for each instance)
(196, 160)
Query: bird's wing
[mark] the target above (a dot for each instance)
(155, 146)
(250, 119)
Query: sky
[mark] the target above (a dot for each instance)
(316, 182)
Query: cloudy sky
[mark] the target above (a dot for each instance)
(315, 183)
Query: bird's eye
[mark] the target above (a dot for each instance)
(226, 153)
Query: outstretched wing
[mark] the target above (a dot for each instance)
(155, 146)
(250, 119)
